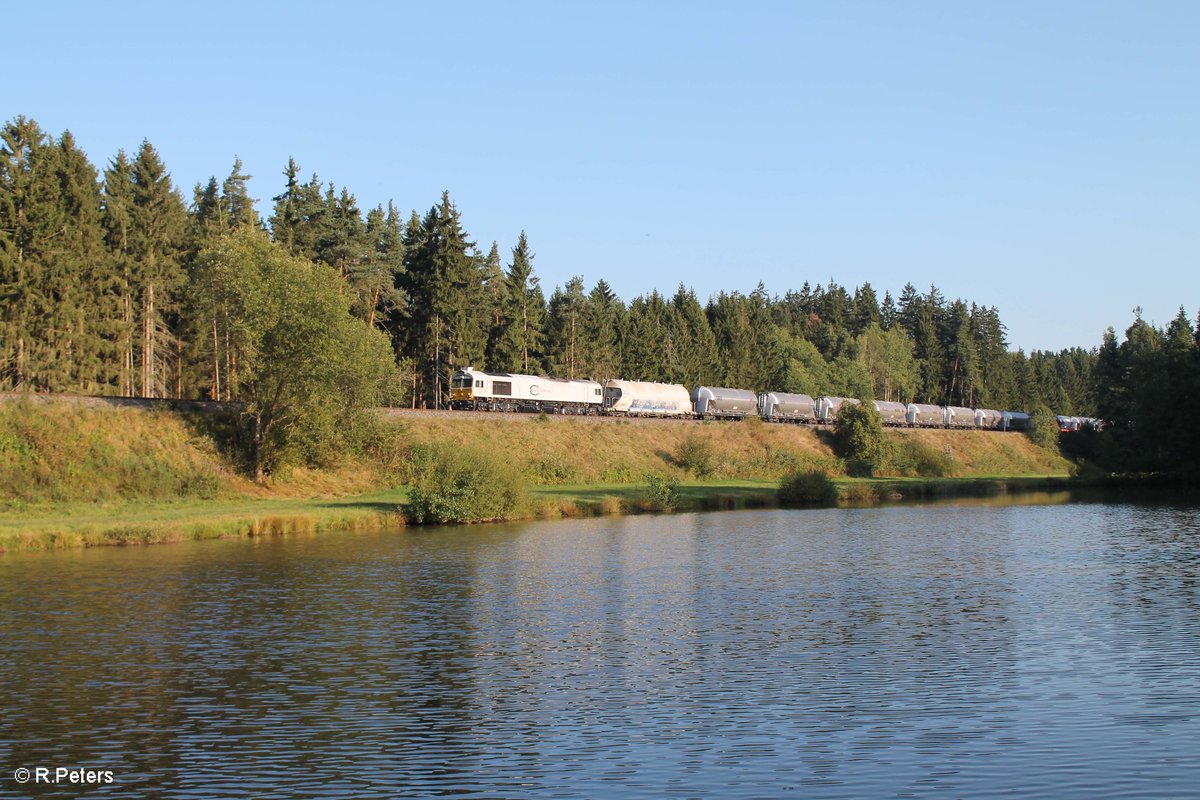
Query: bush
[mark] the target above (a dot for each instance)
(459, 483)
(858, 438)
(1044, 429)
(661, 493)
(695, 454)
(813, 488)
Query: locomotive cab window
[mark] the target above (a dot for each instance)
(478, 384)
(461, 382)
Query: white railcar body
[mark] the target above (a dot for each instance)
(924, 415)
(784, 407)
(646, 399)
(959, 417)
(723, 402)
(893, 414)
(988, 419)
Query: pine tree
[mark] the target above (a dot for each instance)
(287, 215)
(464, 293)
(27, 223)
(86, 319)
(55, 318)
(117, 221)
(729, 319)
(520, 336)
(962, 361)
(236, 204)
(864, 310)
(996, 381)
(340, 234)
(155, 241)
(762, 337)
(832, 336)
(908, 309)
(888, 313)
(299, 215)
(694, 345)
(563, 328)
(443, 289)
(645, 342)
(416, 283)
(1183, 371)
(603, 316)
(205, 220)
(1110, 381)
(922, 317)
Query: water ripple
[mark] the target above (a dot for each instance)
(911, 652)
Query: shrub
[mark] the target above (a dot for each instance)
(695, 454)
(661, 493)
(460, 483)
(1044, 429)
(858, 438)
(813, 488)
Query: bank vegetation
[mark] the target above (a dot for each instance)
(76, 474)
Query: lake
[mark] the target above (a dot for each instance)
(976, 650)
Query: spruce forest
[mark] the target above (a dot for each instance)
(104, 292)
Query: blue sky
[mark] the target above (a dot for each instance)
(1041, 158)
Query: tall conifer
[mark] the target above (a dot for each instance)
(157, 220)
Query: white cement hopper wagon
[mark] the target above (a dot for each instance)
(988, 419)
(959, 417)
(714, 402)
(923, 415)
(895, 415)
(646, 399)
(784, 407)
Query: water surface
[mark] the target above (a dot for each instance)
(949, 651)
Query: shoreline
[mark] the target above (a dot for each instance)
(95, 525)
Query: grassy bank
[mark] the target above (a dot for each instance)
(154, 522)
(89, 525)
(590, 451)
(73, 475)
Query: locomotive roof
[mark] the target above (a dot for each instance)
(520, 375)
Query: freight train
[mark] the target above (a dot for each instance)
(476, 390)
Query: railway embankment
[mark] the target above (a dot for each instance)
(78, 473)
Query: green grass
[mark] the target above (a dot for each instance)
(83, 524)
